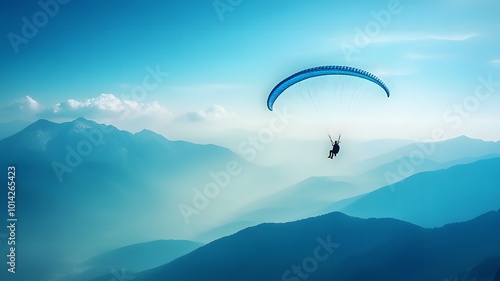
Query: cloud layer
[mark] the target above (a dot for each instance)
(106, 106)
(212, 113)
(110, 109)
(25, 106)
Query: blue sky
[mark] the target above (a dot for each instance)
(189, 69)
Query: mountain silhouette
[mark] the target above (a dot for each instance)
(315, 195)
(339, 247)
(83, 183)
(143, 256)
(132, 259)
(449, 150)
(304, 199)
(404, 167)
(435, 198)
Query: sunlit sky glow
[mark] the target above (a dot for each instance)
(192, 70)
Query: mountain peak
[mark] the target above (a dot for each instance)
(464, 138)
(149, 135)
(41, 126)
(41, 123)
(35, 136)
(147, 132)
(80, 124)
(81, 119)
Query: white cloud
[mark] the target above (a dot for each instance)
(127, 114)
(32, 104)
(495, 62)
(25, 107)
(107, 106)
(212, 113)
(422, 37)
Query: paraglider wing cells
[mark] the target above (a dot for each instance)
(321, 71)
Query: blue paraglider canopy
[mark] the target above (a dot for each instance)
(321, 71)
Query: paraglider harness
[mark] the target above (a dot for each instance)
(336, 146)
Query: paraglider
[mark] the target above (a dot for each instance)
(335, 147)
(317, 72)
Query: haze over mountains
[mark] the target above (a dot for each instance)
(87, 180)
(430, 199)
(133, 259)
(9, 128)
(339, 247)
(87, 188)
(435, 198)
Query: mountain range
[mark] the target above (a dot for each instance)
(336, 246)
(442, 193)
(89, 194)
(107, 188)
(435, 198)
(131, 258)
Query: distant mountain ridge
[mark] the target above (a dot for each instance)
(435, 198)
(53, 141)
(132, 259)
(442, 151)
(346, 248)
(319, 195)
(107, 176)
(143, 256)
(122, 185)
